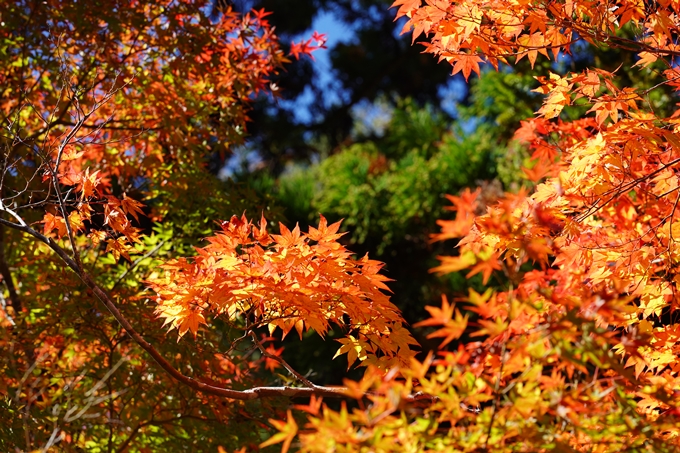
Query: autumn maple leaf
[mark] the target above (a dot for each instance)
(453, 328)
(535, 44)
(131, 207)
(466, 64)
(286, 434)
(325, 232)
(406, 7)
(486, 267)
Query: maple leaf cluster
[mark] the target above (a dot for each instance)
(502, 32)
(289, 281)
(306, 47)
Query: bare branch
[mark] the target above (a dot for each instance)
(14, 299)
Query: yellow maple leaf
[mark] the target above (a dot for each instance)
(287, 432)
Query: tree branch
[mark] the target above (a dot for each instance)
(14, 300)
(250, 394)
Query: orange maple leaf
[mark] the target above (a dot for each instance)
(535, 44)
(131, 207)
(406, 7)
(465, 63)
(486, 267)
(52, 223)
(453, 328)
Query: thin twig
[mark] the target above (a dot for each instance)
(135, 263)
(496, 391)
(285, 364)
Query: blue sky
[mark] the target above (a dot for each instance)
(337, 32)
